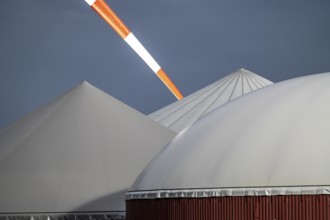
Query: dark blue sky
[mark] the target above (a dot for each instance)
(49, 46)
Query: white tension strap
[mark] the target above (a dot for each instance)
(142, 52)
(90, 2)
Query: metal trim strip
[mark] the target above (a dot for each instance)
(220, 192)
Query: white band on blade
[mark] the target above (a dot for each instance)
(142, 52)
(90, 2)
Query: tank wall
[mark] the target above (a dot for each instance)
(293, 207)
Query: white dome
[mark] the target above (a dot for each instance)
(275, 137)
(183, 113)
(80, 153)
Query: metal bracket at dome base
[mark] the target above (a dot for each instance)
(220, 192)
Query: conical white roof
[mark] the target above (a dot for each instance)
(81, 152)
(276, 138)
(181, 114)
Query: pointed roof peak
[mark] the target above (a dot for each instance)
(85, 83)
(243, 70)
(85, 86)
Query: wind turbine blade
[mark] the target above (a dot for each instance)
(101, 7)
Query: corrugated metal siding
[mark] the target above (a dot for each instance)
(294, 207)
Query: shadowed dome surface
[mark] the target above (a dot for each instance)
(82, 148)
(181, 114)
(275, 140)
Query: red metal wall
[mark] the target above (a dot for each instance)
(296, 207)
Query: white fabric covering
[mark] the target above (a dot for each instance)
(275, 137)
(81, 152)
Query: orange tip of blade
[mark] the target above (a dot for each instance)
(170, 85)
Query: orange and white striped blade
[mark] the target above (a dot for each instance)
(101, 7)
